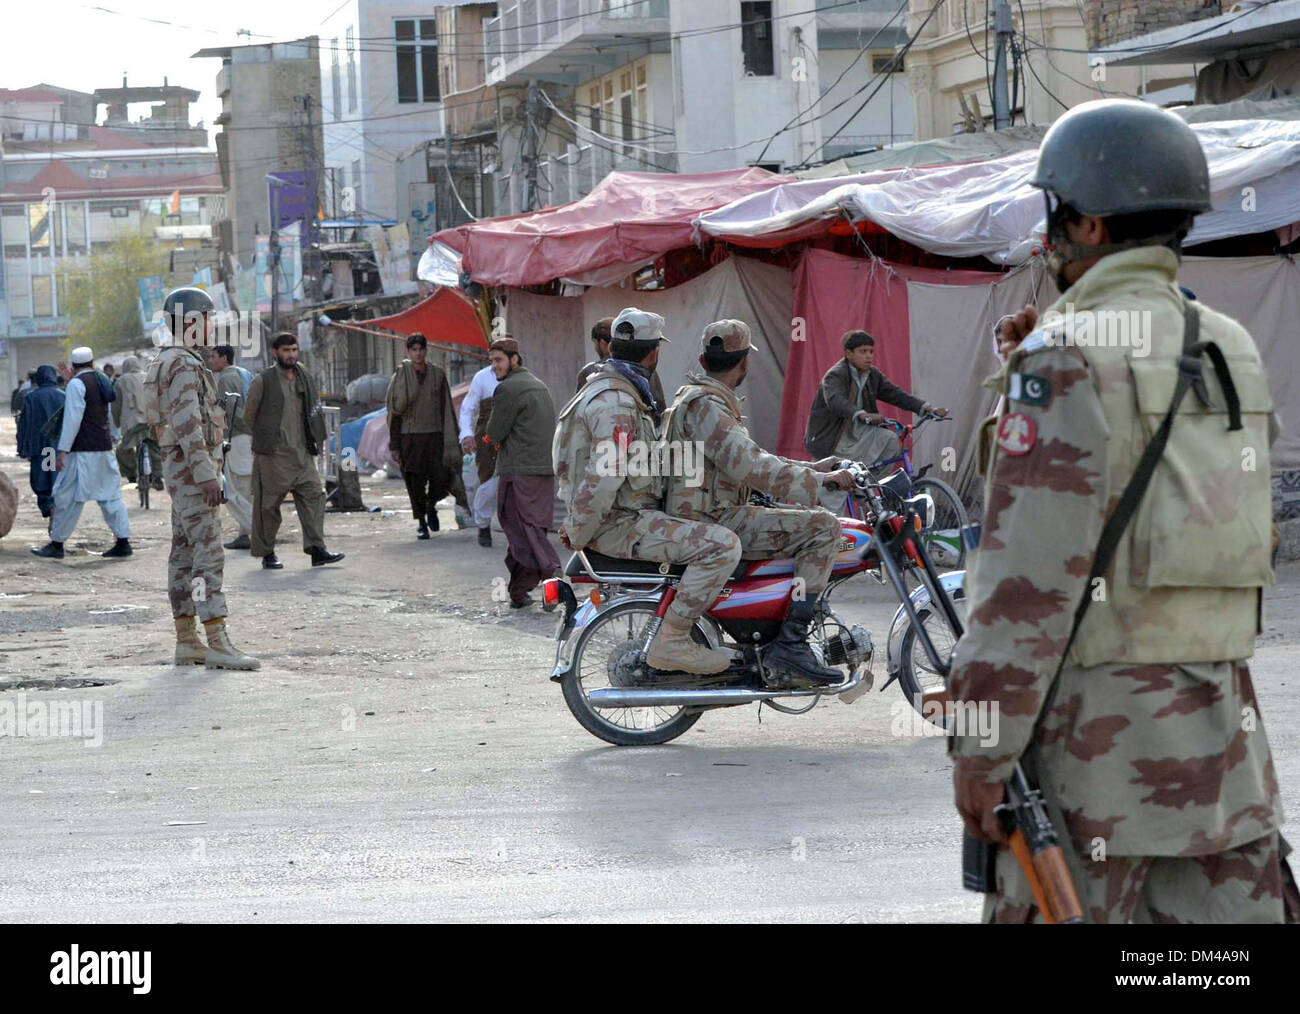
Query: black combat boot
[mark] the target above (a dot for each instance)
(790, 653)
(423, 531)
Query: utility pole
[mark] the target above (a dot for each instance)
(273, 255)
(530, 152)
(1001, 100)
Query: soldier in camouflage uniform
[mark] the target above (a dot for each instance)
(180, 405)
(1151, 746)
(619, 514)
(706, 414)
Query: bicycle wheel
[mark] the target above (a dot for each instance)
(943, 539)
(917, 676)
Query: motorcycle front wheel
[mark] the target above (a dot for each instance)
(619, 630)
(917, 676)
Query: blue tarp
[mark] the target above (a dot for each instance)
(351, 432)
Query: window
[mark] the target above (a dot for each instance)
(74, 217)
(352, 71)
(887, 63)
(13, 230)
(334, 78)
(417, 61)
(38, 222)
(42, 296)
(16, 281)
(756, 38)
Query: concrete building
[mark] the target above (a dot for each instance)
(270, 122)
(688, 86)
(69, 186)
(1244, 51)
(383, 98)
(1049, 70)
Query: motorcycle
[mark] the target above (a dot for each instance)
(611, 609)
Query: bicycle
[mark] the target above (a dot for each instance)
(943, 540)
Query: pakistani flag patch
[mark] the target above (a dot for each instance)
(1029, 388)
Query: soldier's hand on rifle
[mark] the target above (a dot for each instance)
(467, 445)
(211, 492)
(1012, 329)
(976, 799)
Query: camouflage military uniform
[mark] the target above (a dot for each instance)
(619, 515)
(1153, 748)
(707, 414)
(188, 426)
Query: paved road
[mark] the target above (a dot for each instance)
(402, 756)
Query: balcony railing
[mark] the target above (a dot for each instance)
(530, 25)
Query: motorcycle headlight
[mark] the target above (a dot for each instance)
(923, 505)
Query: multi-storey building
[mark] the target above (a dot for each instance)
(950, 65)
(688, 86)
(382, 97)
(270, 123)
(68, 187)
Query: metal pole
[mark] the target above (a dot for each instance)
(530, 140)
(274, 255)
(1001, 100)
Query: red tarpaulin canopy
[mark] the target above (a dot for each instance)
(628, 218)
(446, 317)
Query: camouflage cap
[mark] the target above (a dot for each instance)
(633, 325)
(726, 336)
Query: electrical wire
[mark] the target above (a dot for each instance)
(884, 78)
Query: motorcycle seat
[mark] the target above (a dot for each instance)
(619, 567)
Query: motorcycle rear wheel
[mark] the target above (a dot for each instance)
(589, 671)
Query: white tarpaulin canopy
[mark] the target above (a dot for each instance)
(988, 208)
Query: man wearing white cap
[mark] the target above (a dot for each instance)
(85, 462)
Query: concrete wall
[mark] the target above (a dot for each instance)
(718, 106)
(886, 118)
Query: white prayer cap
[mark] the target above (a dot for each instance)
(82, 355)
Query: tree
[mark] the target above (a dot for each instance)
(103, 296)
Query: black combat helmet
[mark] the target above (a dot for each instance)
(181, 303)
(1121, 156)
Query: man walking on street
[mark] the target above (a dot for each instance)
(85, 462)
(180, 406)
(521, 428)
(40, 403)
(281, 400)
(475, 408)
(233, 383)
(422, 432)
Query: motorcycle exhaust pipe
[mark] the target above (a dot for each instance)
(610, 698)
